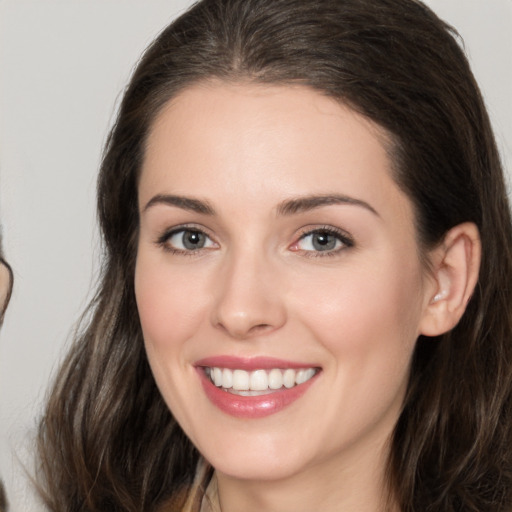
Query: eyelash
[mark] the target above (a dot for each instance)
(341, 236)
(163, 240)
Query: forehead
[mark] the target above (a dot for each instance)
(251, 108)
(257, 141)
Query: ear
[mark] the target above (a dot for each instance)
(455, 265)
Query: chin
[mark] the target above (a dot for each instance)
(261, 459)
(261, 469)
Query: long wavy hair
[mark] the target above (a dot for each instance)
(107, 441)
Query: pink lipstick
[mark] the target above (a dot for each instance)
(254, 387)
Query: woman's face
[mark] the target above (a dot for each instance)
(278, 258)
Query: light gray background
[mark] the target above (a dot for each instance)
(63, 64)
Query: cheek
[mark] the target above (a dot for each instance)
(367, 322)
(170, 311)
(170, 303)
(366, 312)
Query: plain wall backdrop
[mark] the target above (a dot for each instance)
(63, 65)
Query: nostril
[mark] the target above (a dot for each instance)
(260, 328)
(244, 331)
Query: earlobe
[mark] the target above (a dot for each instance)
(455, 266)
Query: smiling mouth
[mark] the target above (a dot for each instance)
(258, 382)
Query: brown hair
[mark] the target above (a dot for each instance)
(3, 499)
(108, 442)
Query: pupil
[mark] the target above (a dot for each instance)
(324, 241)
(193, 240)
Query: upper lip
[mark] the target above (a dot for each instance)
(250, 363)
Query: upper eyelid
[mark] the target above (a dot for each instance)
(346, 239)
(326, 228)
(165, 234)
(163, 241)
(186, 227)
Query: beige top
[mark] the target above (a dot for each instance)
(199, 499)
(210, 501)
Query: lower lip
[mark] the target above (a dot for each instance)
(252, 406)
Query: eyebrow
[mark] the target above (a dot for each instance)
(305, 203)
(288, 207)
(185, 203)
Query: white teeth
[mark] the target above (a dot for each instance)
(304, 375)
(240, 380)
(258, 380)
(227, 378)
(275, 379)
(289, 378)
(217, 376)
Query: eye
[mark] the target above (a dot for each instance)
(322, 240)
(186, 240)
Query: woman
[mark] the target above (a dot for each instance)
(5, 285)
(5, 295)
(304, 303)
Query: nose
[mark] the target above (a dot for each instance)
(249, 297)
